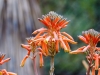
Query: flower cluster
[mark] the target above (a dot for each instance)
(33, 47)
(91, 38)
(3, 71)
(52, 35)
(47, 40)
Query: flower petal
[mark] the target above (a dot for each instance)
(66, 34)
(96, 62)
(43, 21)
(57, 46)
(23, 61)
(44, 47)
(55, 35)
(5, 72)
(39, 30)
(1, 56)
(83, 39)
(3, 61)
(93, 70)
(67, 45)
(79, 50)
(98, 48)
(99, 71)
(27, 47)
(86, 48)
(71, 41)
(41, 59)
(42, 51)
(63, 45)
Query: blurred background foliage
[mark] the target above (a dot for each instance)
(83, 15)
(18, 19)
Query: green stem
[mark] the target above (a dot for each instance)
(52, 65)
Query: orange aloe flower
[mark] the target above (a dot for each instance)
(52, 35)
(47, 40)
(31, 48)
(3, 71)
(2, 57)
(91, 38)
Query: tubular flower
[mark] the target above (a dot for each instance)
(91, 38)
(99, 71)
(52, 35)
(31, 48)
(3, 71)
(1, 59)
(93, 70)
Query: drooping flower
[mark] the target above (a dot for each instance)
(33, 48)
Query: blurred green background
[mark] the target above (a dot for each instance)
(83, 15)
(19, 18)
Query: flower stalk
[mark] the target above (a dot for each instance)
(52, 65)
